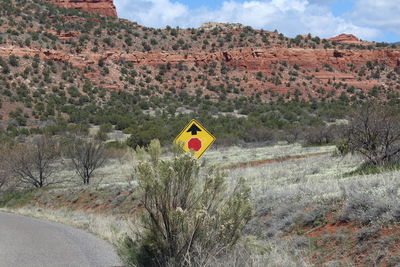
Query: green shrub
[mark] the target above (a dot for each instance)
(188, 215)
(16, 198)
(13, 60)
(4, 66)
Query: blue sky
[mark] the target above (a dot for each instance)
(372, 20)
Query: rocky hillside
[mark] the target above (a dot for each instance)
(54, 62)
(102, 7)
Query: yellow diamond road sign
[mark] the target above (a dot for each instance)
(195, 137)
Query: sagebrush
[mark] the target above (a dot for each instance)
(188, 215)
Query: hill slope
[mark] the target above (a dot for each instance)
(56, 62)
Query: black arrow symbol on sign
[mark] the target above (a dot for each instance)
(194, 129)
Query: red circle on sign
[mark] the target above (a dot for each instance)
(194, 144)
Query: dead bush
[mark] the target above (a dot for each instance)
(5, 177)
(86, 157)
(321, 135)
(374, 132)
(260, 135)
(32, 164)
(292, 134)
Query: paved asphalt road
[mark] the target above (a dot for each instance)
(30, 242)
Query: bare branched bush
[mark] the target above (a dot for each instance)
(86, 157)
(321, 135)
(5, 177)
(188, 217)
(33, 164)
(293, 134)
(374, 132)
(260, 134)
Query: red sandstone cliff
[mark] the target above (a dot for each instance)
(346, 39)
(102, 7)
(268, 64)
(249, 59)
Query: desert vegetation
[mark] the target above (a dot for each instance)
(86, 156)
(4, 172)
(296, 190)
(189, 217)
(297, 200)
(45, 92)
(374, 132)
(32, 164)
(304, 170)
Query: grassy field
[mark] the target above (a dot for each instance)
(119, 169)
(315, 199)
(302, 205)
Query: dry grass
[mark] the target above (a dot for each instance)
(301, 193)
(119, 170)
(283, 193)
(233, 155)
(310, 173)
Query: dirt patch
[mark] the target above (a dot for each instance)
(352, 244)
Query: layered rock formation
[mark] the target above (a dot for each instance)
(346, 39)
(262, 59)
(249, 60)
(102, 7)
(244, 59)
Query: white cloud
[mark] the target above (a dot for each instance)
(321, 22)
(382, 14)
(152, 13)
(290, 17)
